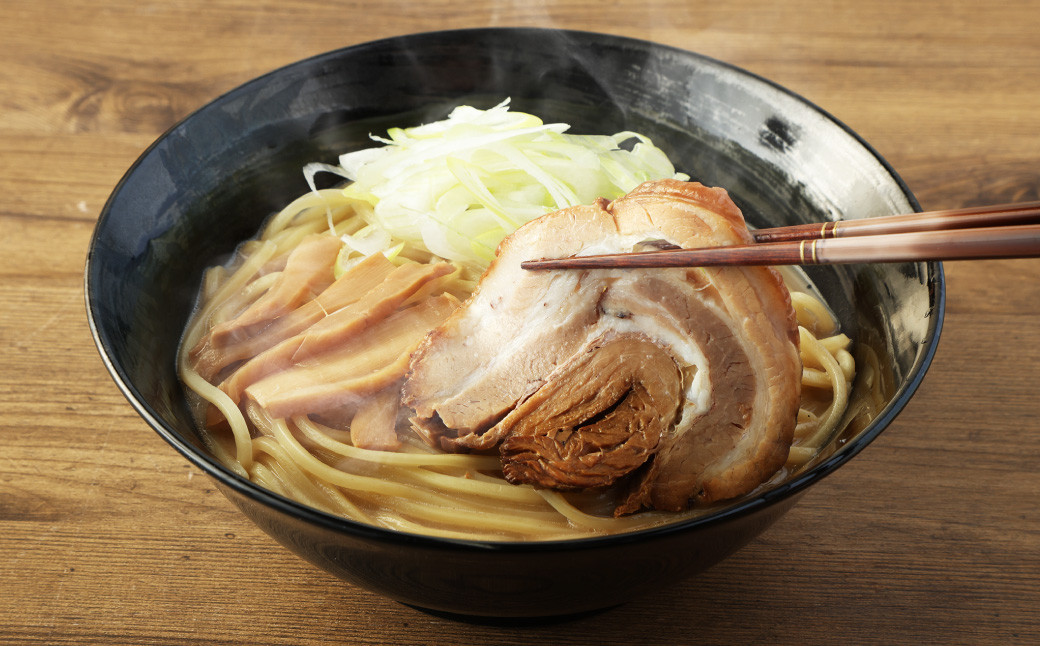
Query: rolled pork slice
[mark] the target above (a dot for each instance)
(683, 383)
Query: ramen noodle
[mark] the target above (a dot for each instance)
(403, 483)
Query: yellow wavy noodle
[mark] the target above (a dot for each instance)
(418, 489)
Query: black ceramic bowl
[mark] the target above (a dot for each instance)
(208, 183)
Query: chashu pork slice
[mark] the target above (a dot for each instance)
(686, 380)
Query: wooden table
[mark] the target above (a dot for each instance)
(932, 535)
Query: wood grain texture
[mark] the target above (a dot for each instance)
(931, 535)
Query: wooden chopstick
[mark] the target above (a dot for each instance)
(983, 216)
(948, 235)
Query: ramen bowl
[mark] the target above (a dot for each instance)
(211, 180)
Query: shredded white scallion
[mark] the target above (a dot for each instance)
(458, 186)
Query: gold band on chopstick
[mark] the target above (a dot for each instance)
(813, 260)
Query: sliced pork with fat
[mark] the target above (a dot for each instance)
(684, 381)
(550, 431)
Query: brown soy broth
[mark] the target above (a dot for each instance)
(602, 502)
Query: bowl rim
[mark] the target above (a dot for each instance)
(933, 271)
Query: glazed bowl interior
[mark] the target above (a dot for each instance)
(209, 182)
